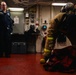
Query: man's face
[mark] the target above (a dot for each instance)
(3, 6)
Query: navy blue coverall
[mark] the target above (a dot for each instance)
(5, 29)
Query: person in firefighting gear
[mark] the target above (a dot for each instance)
(6, 23)
(52, 32)
(61, 57)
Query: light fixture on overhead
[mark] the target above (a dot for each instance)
(58, 4)
(16, 9)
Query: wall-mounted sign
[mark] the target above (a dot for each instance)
(27, 14)
(16, 20)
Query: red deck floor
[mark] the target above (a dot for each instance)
(24, 64)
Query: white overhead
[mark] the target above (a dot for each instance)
(58, 4)
(16, 9)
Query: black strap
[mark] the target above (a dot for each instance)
(64, 16)
(60, 23)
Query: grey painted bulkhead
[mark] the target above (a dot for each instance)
(19, 27)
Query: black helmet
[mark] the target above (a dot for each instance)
(69, 6)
